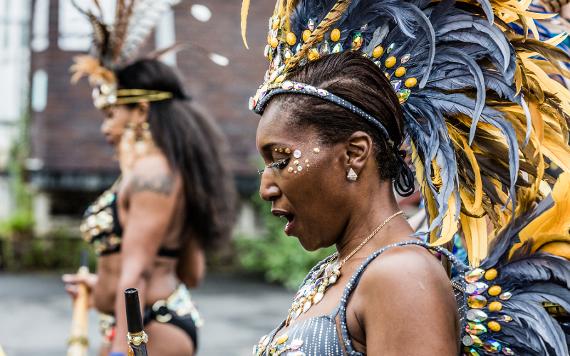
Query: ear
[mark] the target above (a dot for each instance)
(359, 149)
(140, 112)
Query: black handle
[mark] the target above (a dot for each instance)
(134, 319)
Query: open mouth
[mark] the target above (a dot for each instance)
(285, 216)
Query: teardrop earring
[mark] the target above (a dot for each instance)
(352, 176)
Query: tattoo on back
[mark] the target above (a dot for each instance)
(160, 184)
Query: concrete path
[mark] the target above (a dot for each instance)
(35, 314)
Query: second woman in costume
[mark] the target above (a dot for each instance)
(175, 197)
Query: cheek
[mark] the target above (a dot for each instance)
(312, 185)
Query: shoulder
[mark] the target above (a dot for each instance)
(403, 293)
(152, 174)
(155, 164)
(405, 263)
(406, 279)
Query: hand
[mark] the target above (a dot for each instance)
(73, 280)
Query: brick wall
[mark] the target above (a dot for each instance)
(65, 136)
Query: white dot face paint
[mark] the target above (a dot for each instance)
(298, 165)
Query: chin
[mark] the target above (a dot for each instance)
(308, 245)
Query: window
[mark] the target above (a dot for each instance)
(74, 28)
(39, 90)
(40, 38)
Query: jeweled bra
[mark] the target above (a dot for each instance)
(100, 226)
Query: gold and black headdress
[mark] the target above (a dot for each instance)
(490, 115)
(117, 44)
(484, 120)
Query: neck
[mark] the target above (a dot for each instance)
(366, 215)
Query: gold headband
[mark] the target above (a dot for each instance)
(130, 96)
(106, 95)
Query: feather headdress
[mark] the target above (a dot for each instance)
(484, 120)
(117, 44)
(481, 113)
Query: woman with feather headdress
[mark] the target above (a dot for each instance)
(175, 195)
(349, 82)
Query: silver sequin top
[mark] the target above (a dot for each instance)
(319, 335)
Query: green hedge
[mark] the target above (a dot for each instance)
(280, 258)
(59, 251)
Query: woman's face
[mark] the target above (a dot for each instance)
(115, 121)
(306, 181)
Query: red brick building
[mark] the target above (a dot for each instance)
(70, 160)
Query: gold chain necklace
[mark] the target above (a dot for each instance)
(314, 288)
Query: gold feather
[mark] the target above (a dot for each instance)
(476, 238)
(553, 225)
(475, 207)
(449, 223)
(244, 13)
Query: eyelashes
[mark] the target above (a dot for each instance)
(281, 164)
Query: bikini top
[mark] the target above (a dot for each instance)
(320, 335)
(101, 226)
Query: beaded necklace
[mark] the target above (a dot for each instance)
(327, 274)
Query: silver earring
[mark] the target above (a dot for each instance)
(352, 176)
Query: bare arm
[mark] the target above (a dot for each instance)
(407, 306)
(151, 192)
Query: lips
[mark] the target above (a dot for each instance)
(288, 216)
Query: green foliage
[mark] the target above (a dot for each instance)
(21, 222)
(279, 257)
(58, 251)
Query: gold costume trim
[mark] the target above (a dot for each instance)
(137, 338)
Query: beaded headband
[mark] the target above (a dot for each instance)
(291, 87)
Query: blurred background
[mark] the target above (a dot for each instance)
(54, 162)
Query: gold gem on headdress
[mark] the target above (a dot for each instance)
(411, 82)
(291, 39)
(390, 62)
(335, 35)
(400, 72)
(378, 52)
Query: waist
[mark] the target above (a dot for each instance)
(178, 303)
(161, 282)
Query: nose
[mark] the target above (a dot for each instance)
(104, 127)
(268, 190)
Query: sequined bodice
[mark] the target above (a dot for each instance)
(102, 229)
(100, 226)
(320, 335)
(312, 336)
